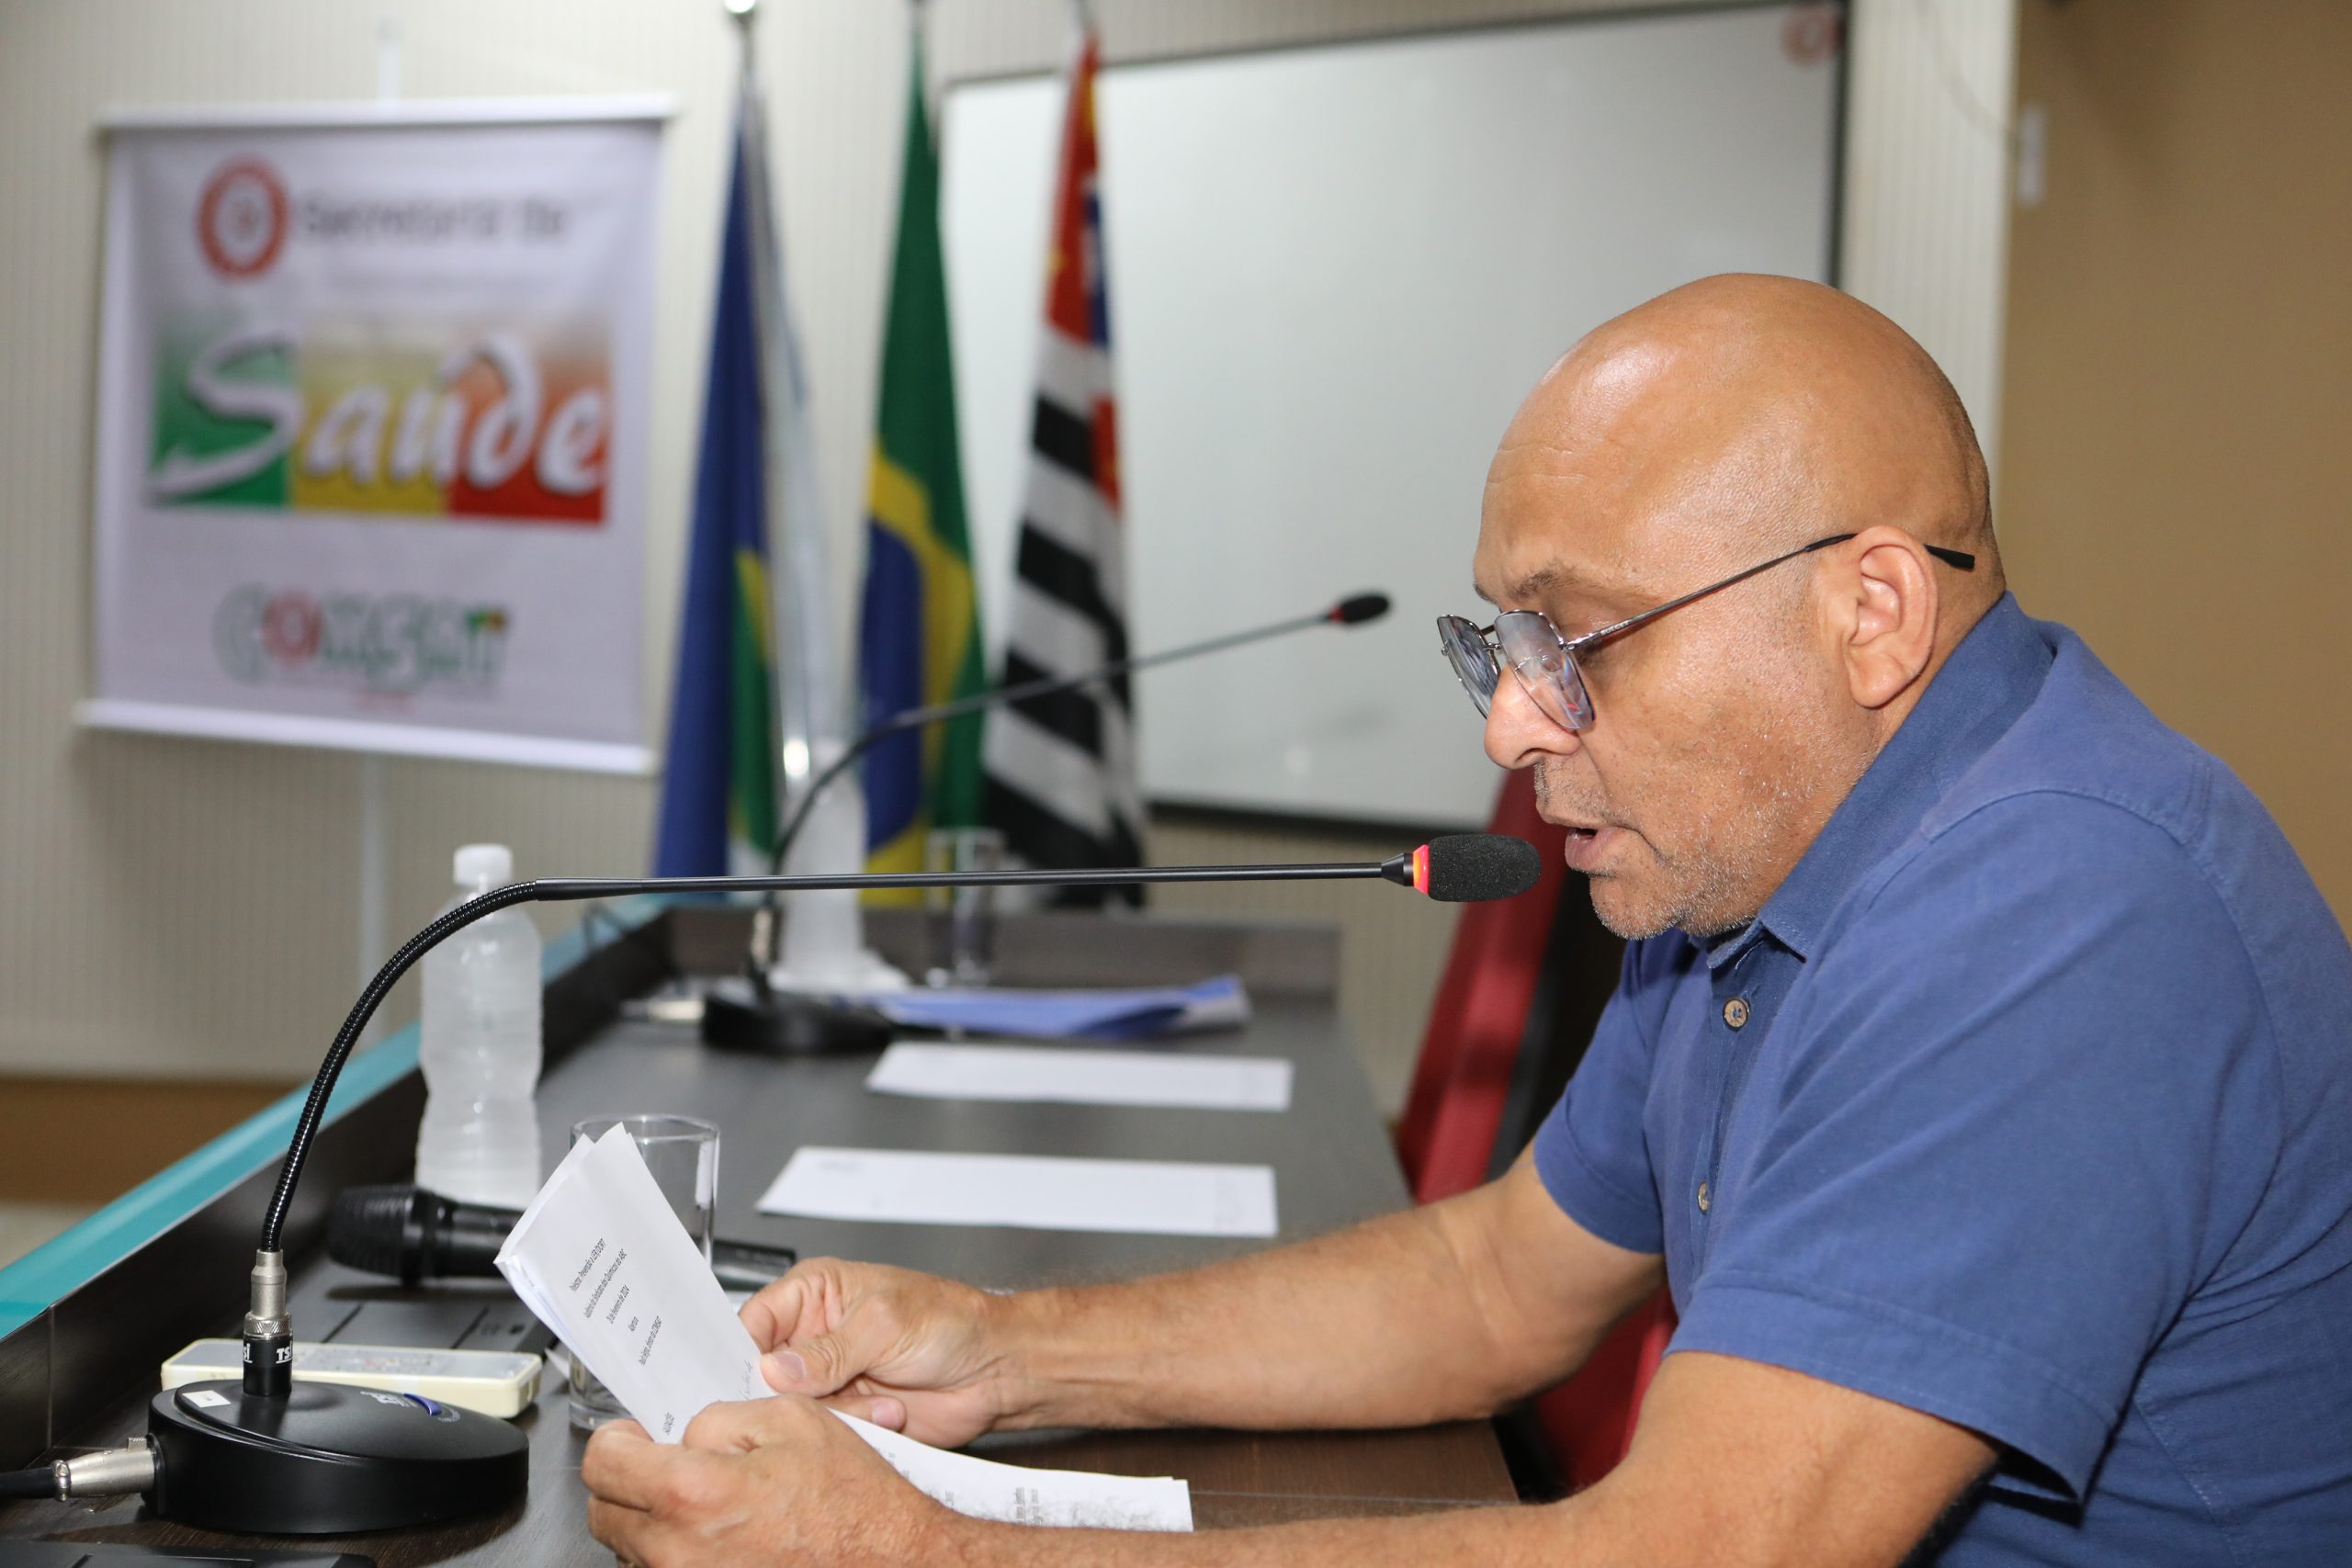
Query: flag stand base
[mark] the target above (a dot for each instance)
(738, 1016)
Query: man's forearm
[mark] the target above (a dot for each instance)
(1416, 1316)
(1736, 1464)
(1499, 1536)
(1263, 1341)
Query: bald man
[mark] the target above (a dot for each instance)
(1976, 1081)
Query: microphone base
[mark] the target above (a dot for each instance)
(735, 1017)
(326, 1459)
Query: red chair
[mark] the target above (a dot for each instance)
(1445, 1139)
(1589, 1420)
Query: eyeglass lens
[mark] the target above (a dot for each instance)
(1465, 648)
(1537, 655)
(1534, 650)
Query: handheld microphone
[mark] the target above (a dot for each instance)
(414, 1235)
(264, 1455)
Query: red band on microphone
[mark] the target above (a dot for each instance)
(1421, 869)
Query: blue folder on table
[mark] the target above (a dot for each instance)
(1125, 1013)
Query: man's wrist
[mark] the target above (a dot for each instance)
(947, 1537)
(1026, 1333)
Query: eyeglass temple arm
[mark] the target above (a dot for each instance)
(1959, 559)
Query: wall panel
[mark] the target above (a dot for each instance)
(184, 908)
(2180, 379)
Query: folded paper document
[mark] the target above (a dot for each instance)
(1122, 1013)
(1145, 1197)
(1075, 1074)
(601, 1260)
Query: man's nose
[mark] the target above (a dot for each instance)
(1518, 731)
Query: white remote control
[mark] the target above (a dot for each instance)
(494, 1383)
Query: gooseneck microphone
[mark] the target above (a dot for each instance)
(768, 1023)
(264, 1455)
(1451, 868)
(1352, 610)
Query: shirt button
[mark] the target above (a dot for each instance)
(1704, 1201)
(1735, 1013)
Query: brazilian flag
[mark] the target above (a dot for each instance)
(919, 633)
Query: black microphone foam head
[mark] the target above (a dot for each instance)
(1359, 608)
(1469, 868)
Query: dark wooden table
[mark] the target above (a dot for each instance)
(95, 1354)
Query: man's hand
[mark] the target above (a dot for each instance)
(901, 1349)
(766, 1482)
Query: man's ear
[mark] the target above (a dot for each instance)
(1887, 606)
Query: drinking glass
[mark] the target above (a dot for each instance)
(962, 920)
(682, 1155)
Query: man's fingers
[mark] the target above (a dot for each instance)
(775, 1314)
(818, 1365)
(882, 1409)
(623, 1465)
(622, 1529)
(743, 1425)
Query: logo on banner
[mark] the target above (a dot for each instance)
(387, 410)
(241, 219)
(384, 645)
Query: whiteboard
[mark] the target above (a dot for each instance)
(1334, 272)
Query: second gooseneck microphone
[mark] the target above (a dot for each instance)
(763, 1019)
(1353, 610)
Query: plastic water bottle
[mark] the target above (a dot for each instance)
(480, 1048)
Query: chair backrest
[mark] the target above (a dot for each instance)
(1471, 1054)
(1587, 1421)
(1446, 1136)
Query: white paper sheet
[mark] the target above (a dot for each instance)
(1075, 1498)
(1145, 1197)
(600, 1260)
(1068, 1075)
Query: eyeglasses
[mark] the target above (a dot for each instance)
(1545, 662)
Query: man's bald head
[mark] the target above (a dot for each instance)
(1745, 411)
(1729, 421)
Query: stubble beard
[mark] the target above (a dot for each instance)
(1712, 876)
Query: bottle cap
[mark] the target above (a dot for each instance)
(479, 863)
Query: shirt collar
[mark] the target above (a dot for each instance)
(1981, 689)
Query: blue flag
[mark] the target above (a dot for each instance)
(719, 790)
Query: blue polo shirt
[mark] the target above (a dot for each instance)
(2025, 1102)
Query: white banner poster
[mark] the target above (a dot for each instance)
(371, 431)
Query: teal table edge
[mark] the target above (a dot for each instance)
(30, 1285)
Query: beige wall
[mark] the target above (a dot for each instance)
(2177, 481)
(186, 908)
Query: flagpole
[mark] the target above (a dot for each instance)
(792, 745)
(808, 710)
(825, 943)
